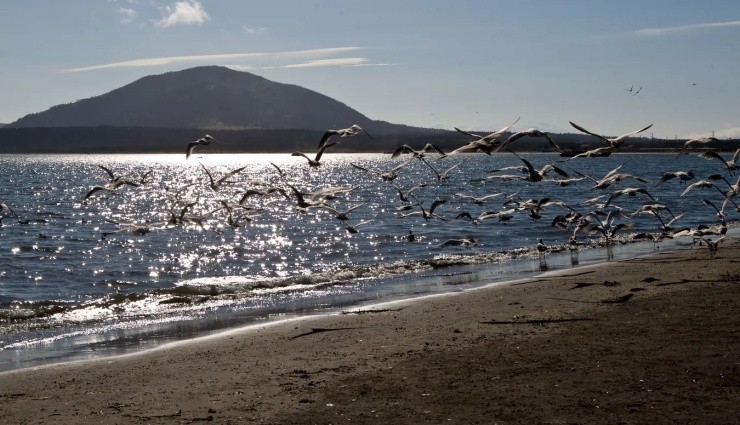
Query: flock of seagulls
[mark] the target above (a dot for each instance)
(600, 216)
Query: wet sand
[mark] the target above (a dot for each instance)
(648, 340)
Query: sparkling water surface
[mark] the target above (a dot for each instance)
(81, 277)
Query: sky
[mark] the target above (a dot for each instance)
(476, 64)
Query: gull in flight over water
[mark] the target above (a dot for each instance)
(485, 144)
(203, 141)
(613, 142)
(315, 161)
(532, 132)
(215, 185)
(683, 176)
(113, 184)
(344, 132)
(729, 165)
(387, 176)
(693, 142)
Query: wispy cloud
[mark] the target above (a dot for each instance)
(218, 58)
(657, 32)
(318, 63)
(127, 15)
(327, 62)
(186, 12)
(253, 30)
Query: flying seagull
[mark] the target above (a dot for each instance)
(344, 132)
(614, 142)
(203, 141)
(315, 161)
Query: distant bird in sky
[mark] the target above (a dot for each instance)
(614, 142)
(203, 141)
(344, 132)
(637, 91)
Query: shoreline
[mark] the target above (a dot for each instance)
(498, 273)
(646, 340)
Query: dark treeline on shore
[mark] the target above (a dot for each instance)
(108, 139)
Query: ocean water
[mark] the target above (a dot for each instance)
(114, 273)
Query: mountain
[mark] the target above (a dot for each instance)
(209, 98)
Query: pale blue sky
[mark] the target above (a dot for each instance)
(471, 64)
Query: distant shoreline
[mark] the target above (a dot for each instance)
(107, 139)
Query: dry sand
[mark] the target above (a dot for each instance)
(649, 340)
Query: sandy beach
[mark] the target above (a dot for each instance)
(648, 340)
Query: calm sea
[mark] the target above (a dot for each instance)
(114, 272)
